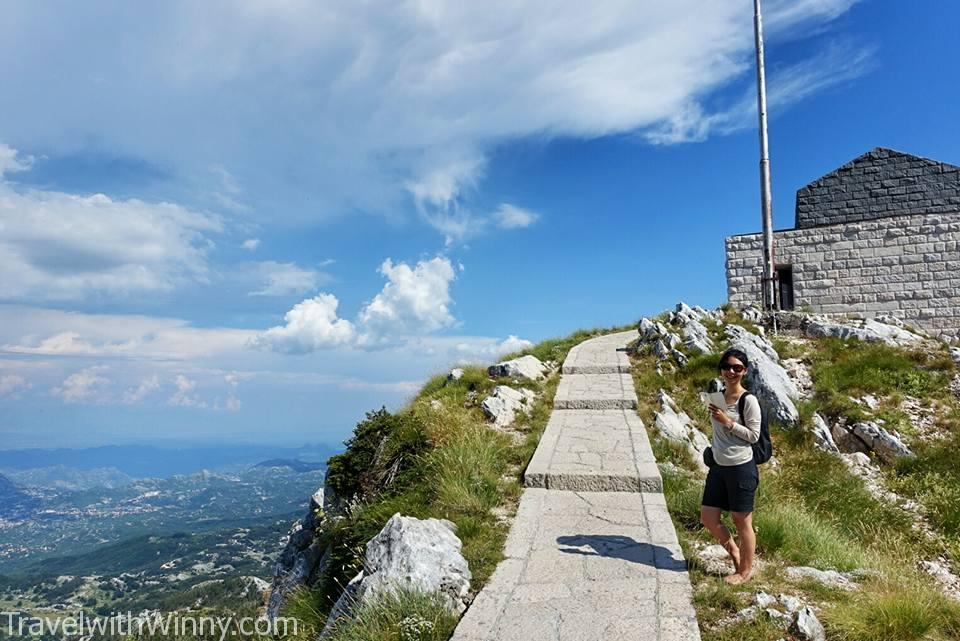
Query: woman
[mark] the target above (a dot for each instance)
(732, 481)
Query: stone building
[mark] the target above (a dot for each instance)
(878, 236)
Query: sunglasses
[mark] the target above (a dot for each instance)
(736, 369)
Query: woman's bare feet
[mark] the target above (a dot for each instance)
(736, 579)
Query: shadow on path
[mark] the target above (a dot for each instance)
(615, 546)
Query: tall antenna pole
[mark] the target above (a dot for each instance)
(766, 203)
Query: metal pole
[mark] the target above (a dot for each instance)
(766, 203)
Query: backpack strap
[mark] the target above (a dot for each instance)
(741, 403)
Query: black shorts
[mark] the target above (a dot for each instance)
(732, 488)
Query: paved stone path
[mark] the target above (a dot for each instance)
(592, 553)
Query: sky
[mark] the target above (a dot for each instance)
(251, 221)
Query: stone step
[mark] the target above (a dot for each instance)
(602, 355)
(595, 392)
(594, 451)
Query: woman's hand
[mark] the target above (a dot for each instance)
(720, 416)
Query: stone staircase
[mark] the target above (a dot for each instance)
(592, 553)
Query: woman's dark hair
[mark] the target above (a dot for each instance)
(737, 354)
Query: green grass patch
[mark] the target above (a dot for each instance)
(401, 616)
(895, 613)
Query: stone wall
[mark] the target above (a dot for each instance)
(908, 266)
(878, 184)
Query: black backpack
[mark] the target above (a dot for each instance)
(763, 448)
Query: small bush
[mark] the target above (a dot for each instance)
(893, 613)
(799, 536)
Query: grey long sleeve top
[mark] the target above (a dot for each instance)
(731, 446)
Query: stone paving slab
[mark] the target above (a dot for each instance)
(586, 566)
(601, 355)
(594, 450)
(595, 392)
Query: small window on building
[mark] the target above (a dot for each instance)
(785, 286)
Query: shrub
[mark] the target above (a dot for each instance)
(400, 616)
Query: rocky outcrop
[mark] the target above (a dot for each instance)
(455, 375)
(676, 426)
(303, 558)
(528, 367)
(408, 553)
(868, 437)
(504, 403)
(806, 626)
(870, 331)
(766, 378)
(828, 578)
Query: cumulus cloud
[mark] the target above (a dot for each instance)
(11, 161)
(147, 386)
(369, 128)
(184, 395)
(10, 384)
(86, 386)
(60, 246)
(282, 279)
(414, 301)
(250, 244)
(311, 325)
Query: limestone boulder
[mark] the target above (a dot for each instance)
(828, 578)
(885, 445)
(677, 426)
(455, 374)
(411, 554)
(955, 355)
(528, 367)
(696, 338)
(807, 626)
(738, 336)
(767, 379)
(822, 435)
(504, 403)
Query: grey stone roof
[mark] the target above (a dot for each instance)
(878, 184)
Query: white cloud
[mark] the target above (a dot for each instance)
(146, 387)
(282, 279)
(10, 384)
(311, 325)
(481, 349)
(59, 246)
(86, 386)
(184, 395)
(364, 127)
(11, 161)
(510, 216)
(50, 332)
(250, 244)
(786, 86)
(414, 301)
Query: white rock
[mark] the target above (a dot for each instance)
(739, 335)
(764, 600)
(779, 618)
(822, 436)
(455, 374)
(695, 337)
(504, 402)
(409, 553)
(435, 404)
(955, 355)
(884, 444)
(768, 380)
(528, 367)
(660, 349)
(829, 578)
(680, 357)
(791, 603)
(870, 331)
(807, 626)
(677, 426)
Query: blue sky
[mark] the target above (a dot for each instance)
(254, 221)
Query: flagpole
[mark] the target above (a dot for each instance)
(766, 203)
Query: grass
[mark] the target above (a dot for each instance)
(400, 616)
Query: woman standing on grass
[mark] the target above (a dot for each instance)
(733, 478)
